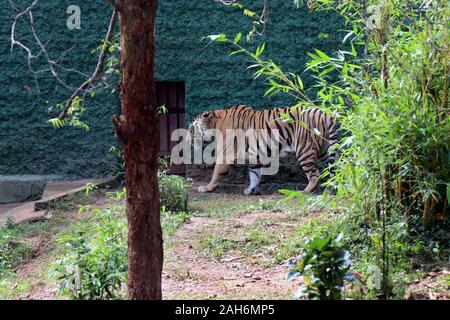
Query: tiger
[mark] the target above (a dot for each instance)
(309, 134)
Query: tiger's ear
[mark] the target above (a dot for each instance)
(207, 116)
(212, 114)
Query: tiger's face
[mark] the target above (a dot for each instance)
(200, 125)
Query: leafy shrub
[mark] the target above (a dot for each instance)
(9, 223)
(94, 265)
(94, 262)
(325, 266)
(173, 193)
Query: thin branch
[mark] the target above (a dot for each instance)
(261, 19)
(99, 69)
(52, 65)
(13, 28)
(50, 62)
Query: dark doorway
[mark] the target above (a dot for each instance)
(171, 95)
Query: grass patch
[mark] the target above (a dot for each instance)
(15, 248)
(10, 288)
(266, 240)
(216, 247)
(313, 228)
(227, 206)
(171, 222)
(246, 245)
(12, 254)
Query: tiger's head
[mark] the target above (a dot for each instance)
(200, 125)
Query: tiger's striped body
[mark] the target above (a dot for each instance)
(309, 135)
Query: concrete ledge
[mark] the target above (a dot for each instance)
(46, 202)
(17, 189)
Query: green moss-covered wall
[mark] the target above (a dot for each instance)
(28, 143)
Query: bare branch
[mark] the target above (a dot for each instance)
(99, 69)
(55, 66)
(52, 65)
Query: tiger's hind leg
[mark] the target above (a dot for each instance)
(220, 171)
(309, 165)
(330, 159)
(255, 178)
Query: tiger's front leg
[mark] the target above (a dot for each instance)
(220, 171)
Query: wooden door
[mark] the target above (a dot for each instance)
(171, 95)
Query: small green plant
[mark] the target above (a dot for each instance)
(173, 194)
(94, 260)
(325, 266)
(90, 187)
(9, 223)
(171, 222)
(172, 188)
(94, 265)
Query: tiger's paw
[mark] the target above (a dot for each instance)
(203, 189)
(248, 191)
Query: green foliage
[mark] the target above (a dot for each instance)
(172, 188)
(393, 101)
(94, 265)
(258, 21)
(325, 266)
(94, 262)
(173, 192)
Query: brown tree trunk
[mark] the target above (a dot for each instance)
(138, 129)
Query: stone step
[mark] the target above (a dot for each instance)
(55, 191)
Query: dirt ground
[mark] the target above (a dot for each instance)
(188, 274)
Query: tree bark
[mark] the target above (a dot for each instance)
(138, 130)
